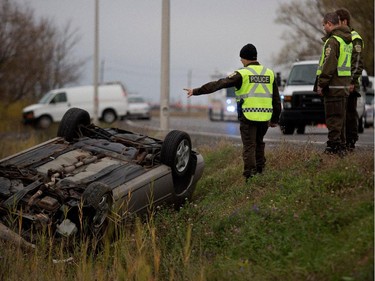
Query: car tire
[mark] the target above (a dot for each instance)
(98, 197)
(72, 120)
(44, 122)
(301, 129)
(176, 152)
(109, 116)
(287, 129)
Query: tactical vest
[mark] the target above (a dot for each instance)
(256, 92)
(344, 61)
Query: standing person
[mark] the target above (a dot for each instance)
(333, 80)
(258, 106)
(352, 118)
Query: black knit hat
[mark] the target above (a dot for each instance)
(248, 52)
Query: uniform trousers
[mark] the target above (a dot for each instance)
(335, 114)
(351, 119)
(252, 134)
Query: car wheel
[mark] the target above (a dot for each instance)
(109, 116)
(287, 129)
(44, 122)
(98, 197)
(176, 152)
(71, 122)
(301, 129)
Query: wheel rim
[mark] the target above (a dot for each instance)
(44, 122)
(102, 211)
(109, 117)
(182, 156)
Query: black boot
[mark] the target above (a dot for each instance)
(350, 145)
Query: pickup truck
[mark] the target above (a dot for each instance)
(301, 106)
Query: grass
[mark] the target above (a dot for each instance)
(310, 216)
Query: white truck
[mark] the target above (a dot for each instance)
(301, 106)
(112, 104)
(223, 105)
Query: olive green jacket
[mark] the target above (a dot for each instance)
(329, 79)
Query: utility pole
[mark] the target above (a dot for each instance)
(96, 63)
(102, 72)
(165, 75)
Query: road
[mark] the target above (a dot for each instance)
(204, 127)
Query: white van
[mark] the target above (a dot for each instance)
(112, 104)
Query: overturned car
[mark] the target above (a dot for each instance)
(72, 183)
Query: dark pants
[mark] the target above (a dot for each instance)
(335, 113)
(351, 120)
(252, 134)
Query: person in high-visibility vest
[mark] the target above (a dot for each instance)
(352, 118)
(258, 106)
(333, 80)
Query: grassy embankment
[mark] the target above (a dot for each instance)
(308, 217)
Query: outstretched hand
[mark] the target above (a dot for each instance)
(189, 92)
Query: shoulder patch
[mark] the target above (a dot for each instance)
(328, 51)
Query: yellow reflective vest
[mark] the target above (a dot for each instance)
(344, 61)
(355, 35)
(256, 92)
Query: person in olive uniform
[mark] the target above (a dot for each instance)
(352, 118)
(258, 106)
(333, 80)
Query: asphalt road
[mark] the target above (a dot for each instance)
(203, 127)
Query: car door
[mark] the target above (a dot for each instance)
(59, 105)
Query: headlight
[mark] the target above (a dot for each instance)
(287, 101)
(28, 115)
(231, 108)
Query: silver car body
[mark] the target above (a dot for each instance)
(49, 183)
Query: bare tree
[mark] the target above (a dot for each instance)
(304, 18)
(34, 56)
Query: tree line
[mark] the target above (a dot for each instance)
(35, 56)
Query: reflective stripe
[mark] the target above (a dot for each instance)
(239, 97)
(257, 110)
(338, 87)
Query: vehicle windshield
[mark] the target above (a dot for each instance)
(46, 98)
(303, 74)
(136, 100)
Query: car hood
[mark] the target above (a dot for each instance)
(33, 107)
(296, 88)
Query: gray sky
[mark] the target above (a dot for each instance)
(206, 36)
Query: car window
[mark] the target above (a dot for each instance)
(60, 97)
(46, 98)
(303, 74)
(136, 99)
